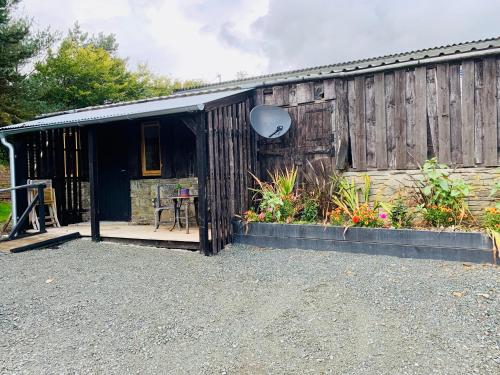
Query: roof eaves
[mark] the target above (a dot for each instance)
(13, 129)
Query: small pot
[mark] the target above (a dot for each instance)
(184, 192)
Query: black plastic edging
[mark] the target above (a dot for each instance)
(463, 247)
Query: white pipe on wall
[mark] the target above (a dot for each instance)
(12, 167)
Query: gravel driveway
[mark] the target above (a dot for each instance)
(107, 308)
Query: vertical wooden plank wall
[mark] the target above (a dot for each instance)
(59, 155)
(394, 119)
(231, 150)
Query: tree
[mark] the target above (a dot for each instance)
(86, 70)
(18, 45)
(153, 85)
(106, 42)
(82, 75)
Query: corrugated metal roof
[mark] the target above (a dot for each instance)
(194, 99)
(123, 111)
(358, 65)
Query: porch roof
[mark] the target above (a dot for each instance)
(122, 111)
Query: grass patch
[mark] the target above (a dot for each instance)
(4, 211)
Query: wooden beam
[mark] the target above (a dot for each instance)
(190, 124)
(93, 182)
(202, 166)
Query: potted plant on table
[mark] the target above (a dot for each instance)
(183, 192)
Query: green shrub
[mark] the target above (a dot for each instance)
(353, 201)
(310, 211)
(401, 215)
(337, 217)
(491, 218)
(442, 198)
(276, 200)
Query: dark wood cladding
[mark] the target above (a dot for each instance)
(61, 156)
(231, 155)
(395, 119)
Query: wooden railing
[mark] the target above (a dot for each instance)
(39, 198)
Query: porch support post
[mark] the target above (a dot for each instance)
(202, 166)
(94, 198)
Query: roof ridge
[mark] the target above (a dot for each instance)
(339, 64)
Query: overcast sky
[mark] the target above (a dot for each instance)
(206, 38)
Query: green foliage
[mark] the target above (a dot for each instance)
(353, 201)
(250, 216)
(438, 216)
(81, 38)
(276, 199)
(440, 188)
(350, 197)
(284, 181)
(492, 219)
(85, 71)
(495, 190)
(401, 214)
(310, 211)
(365, 216)
(153, 85)
(5, 210)
(18, 46)
(337, 217)
(79, 76)
(441, 197)
(321, 184)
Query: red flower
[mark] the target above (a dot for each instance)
(355, 219)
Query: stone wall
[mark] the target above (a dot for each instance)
(143, 191)
(85, 192)
(387, 184)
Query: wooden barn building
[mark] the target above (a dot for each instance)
(382, 116)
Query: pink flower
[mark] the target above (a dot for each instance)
(383, 215)
(262, 216)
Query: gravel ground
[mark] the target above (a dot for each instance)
(108, 308)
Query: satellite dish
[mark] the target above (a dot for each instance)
(270, 121)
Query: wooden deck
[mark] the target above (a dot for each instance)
(110, 231)
(124, 232)
(36, 241)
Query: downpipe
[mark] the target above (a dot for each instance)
(12, 167)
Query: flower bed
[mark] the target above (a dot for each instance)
(430, 219)
(472, 247)
(434, 208)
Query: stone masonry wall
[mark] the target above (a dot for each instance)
(386, 184)
(85, 192)
(143, 191)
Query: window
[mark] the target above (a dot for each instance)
(150, 145)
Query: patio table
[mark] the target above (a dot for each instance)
(178, 201)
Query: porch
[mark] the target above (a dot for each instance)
(107, 163)
(125, 232)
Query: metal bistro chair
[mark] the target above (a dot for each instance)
(164, 201)
(167, 200)
(49, 195)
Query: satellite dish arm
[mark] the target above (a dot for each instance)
(278, 129)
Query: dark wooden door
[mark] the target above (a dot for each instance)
(114, 178)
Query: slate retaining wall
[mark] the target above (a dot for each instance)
(404, 243)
